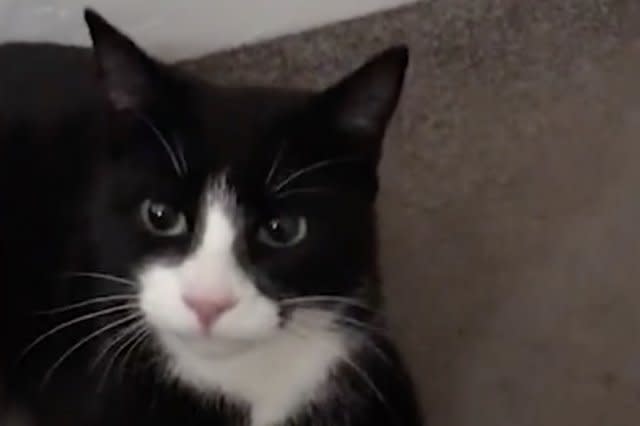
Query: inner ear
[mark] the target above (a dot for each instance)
(362, 103)
(128, 73)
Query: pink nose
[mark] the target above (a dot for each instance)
(208, 309)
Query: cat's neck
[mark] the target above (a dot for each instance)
(276, 378)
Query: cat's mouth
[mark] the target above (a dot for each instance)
(251, 320)
(207, 345)
(197, 346)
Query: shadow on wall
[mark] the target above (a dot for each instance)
(509, 200)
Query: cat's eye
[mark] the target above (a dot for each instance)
(283, 231)
(162, 220)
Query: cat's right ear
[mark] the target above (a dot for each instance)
(127, 73)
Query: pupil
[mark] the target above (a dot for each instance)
(280, 230)
(276, 228)
(160, 216)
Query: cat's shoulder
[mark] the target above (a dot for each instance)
(44, 77)
(43, 51)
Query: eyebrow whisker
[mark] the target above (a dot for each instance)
(167, 146)
(313, 167)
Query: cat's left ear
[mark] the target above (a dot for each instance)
(361, 105)
(126, 71)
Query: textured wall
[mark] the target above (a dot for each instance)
(510, 200)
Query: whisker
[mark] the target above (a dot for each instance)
(165, 143)
(73, 322)
(301, 332)
(275, 164)
(313, 167)
(304, 191)
(132, 328)
(326, 299)
(138, 339)
(99, 275)
(183, 161)
(366, 379)
(352, 323)
(360, 329)
(91, 336)
(103, 299)
(297, 330)
(368, 340)
(126, 337)
(360, 325)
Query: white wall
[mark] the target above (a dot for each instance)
(178, 29)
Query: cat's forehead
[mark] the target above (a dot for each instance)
(232, 123)
(234, 131)
(248, 109)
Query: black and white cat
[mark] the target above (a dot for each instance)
(174, 253)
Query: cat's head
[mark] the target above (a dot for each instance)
(238, 213)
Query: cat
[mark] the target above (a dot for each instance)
(178, 253)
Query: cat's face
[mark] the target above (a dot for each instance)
(239, 214)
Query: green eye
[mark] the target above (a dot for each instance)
(162, 220)
(283, 231)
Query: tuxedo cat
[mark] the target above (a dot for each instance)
(176, 253)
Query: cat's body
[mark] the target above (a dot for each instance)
(207, 315)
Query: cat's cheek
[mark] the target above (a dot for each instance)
(161, 303)
(253, 318)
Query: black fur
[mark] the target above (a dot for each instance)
(77, 155)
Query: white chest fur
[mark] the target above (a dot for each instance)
(276, 377)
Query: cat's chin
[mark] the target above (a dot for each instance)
(209, 346)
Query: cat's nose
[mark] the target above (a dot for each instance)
(207, 308)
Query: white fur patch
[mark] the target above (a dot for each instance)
(245, 354)
(277, 376)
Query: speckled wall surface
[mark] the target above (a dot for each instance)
(510, 202)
